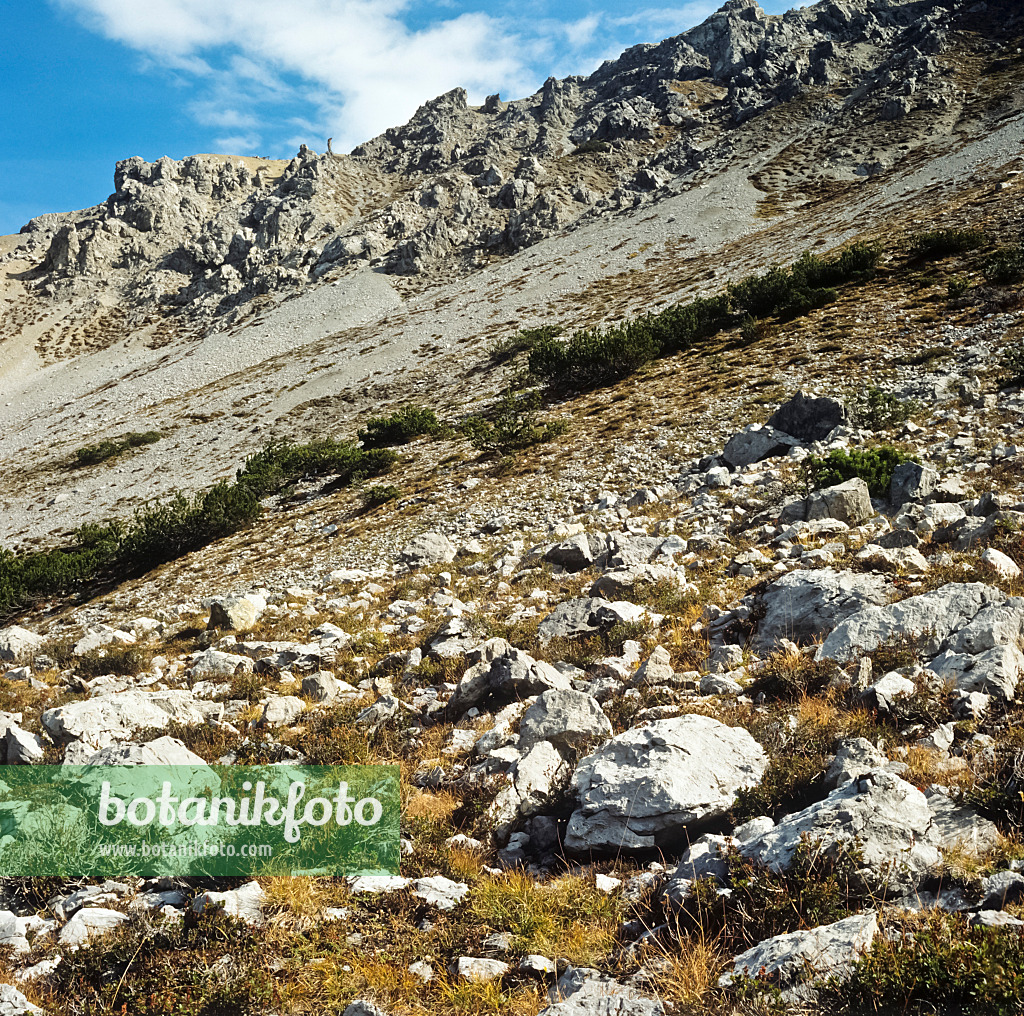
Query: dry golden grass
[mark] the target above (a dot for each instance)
(331, 981)
(567, 916)
(436, 807)
(686, 971)
(930, 766)
(304, 895)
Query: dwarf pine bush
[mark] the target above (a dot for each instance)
(940, 243)
(878, 409)
(89, 455)
(601, 355)
(165, 530)
(873, 465)
(1005, 267)
(400, 427)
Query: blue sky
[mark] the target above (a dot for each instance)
(88, 82)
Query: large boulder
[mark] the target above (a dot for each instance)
(164, 751)
(884, 818)
(18, 644)
(565, 718)
(629, 582)
(756, 443)
(633, 550)
(655, 784)
(582, 991)
(576, 552)
(90, 923)
(535, 783)
(971, 531)
(215, 662)
(956, 826)
(995, 671)
(911, 481)
(849, 502)
(499, 673)
(104, 719)
(244, 903)
(932, 616)
(808, 603)
(809, 419)
(794, 963)
(236, 613)
(427, 549)
(14, 1003)
(589, 615)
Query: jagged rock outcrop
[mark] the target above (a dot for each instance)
(211, 234)
(651, 784)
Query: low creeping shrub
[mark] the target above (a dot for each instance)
(873, 465)
(400, 427)
(89, 455)
(877, 409)
(166, 530)
(282, 463)
(1005, 267)
(600, 355)
(592, 147)
(940, 243)
(523, 341)
(379, 494)
(936, 964)
(1012, 365)
(513, 425)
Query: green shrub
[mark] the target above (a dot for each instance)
(809, 283)
(164, 531)
(282, 463)
(940, 243)
(595, 356)
(25, 577)
(137, 970)
(523, 341)
(856, 262)
(925, 357)
(789, 676)
(600, 355)
(89, 455)
(331, 738)
(592, 147)
(819, 887)
(1012, 365)
(400, 427)
(378, 494)
(878, 409)
(957, 287)
(762, 295)
(1005, 267)
(938, 965)
(513, 425)
(873, 465)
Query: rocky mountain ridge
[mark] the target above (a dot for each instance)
(458, 185)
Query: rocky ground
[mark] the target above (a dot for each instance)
(685, 723)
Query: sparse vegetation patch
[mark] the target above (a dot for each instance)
(89, 455)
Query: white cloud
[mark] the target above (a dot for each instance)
(213, 114)
(238, 144)
(662, 21)
(356, 56)
(352, 68)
